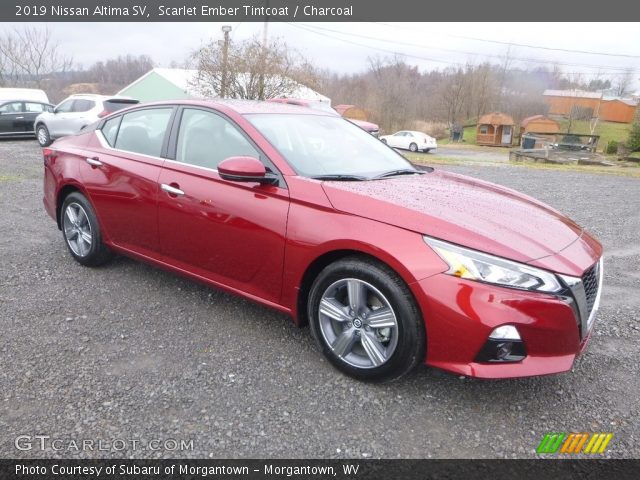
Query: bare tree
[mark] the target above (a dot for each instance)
(623, 82)
(29, 55)
(253, 71)
(454, 93)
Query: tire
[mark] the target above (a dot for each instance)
(348, 339)
(383, 140)
(427, 150)
(413, 147)
(42, 134)
(79, 222)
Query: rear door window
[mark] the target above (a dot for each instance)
(143, 131)
(82, 105)
(34, 107)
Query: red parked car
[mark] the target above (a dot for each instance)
(305, 212)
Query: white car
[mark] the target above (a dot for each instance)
(74, 113)
(410, 140)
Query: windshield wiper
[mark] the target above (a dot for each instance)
(393, 173)
(346, 178)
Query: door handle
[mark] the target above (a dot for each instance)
(94, 162)
(19, 118)
(171, 190)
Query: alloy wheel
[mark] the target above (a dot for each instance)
(358, 323)
(77, 229)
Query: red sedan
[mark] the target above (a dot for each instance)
(306, 213)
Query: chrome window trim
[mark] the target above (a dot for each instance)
(105, 144)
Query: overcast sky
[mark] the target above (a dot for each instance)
(345, 47)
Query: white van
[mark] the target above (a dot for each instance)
(24, 94)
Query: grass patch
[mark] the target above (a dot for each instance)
(607, 130)
(623, 170)
(469, 137)
(9, 178)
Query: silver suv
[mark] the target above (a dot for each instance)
(74, 113)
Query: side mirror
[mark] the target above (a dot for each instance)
(245, 169)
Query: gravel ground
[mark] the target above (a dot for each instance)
(128, 352)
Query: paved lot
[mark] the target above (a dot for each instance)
(130, 352)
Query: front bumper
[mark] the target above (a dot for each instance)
(461, 314)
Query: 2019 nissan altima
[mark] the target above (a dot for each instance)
(304, 212)
(75, 113)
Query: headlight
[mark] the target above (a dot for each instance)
(474, 265)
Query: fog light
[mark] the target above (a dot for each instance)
(503, 345)
(505, 332)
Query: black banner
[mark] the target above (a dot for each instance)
(315, 10)
(320, 469)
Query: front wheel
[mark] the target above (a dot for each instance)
(42, 134)
(413, 147)
(81, 231)
(365, 320)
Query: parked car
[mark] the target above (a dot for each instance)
(31, 94)
(74, 113)
(304, 212)
(369, 127)
(410, 140)
(17, 117)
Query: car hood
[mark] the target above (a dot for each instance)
(461, 210)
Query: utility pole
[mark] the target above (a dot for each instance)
(264, 53)
(225, 57)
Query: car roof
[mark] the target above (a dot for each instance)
(245, 107)
(27, 100)
(95, 96)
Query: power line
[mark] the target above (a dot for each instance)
(406, 55)
(525, 45)
(523, 59)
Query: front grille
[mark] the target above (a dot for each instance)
(590, 282)
(585, 291)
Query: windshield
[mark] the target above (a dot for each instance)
(320, 146)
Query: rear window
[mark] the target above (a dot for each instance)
(110, 130)
(115, 105)
(143, 131)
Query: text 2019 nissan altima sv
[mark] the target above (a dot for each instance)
(306, 213)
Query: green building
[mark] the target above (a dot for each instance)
(163, 84)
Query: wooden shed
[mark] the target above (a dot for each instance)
(352, 112)
(540, 124)
(495, 129)
(620, 110)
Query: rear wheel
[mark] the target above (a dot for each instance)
(413, 147)
(42, 134)
(81, 231)
(365, 320)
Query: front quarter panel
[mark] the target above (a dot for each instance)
(315, 229)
